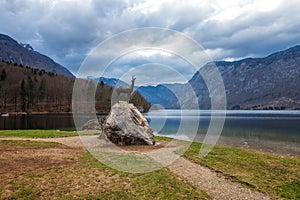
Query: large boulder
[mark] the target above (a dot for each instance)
(125, 125)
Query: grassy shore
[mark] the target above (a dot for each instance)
(37, 133)
(276, 175)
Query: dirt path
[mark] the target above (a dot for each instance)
(217, 186)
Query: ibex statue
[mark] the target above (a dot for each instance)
(125, 91)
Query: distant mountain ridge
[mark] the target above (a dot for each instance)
(24, 54)
(113, 82)
(271, 82)
(163, 94)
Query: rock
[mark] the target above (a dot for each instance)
(125, 125)
(94, 124)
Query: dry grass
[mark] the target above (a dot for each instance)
(32, 170)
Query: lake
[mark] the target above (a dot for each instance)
(272, 131)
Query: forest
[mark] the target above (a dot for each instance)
(28, 90)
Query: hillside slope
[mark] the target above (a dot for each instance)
(163, 94)
(272, 82)
(24, 54)
(24, 89)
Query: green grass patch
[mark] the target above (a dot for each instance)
(133, 163)
(37, 133)
(161, 138)
(26, 143)
(279, 176)
(24, 191)
(68, 129)
(88, 132)
(159, 184)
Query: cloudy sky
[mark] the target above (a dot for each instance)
(67, 30)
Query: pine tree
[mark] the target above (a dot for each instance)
(102, 84)
(23, 96)
(31, 91)
(3, 75)
(42, 89)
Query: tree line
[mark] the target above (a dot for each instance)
(25, 89)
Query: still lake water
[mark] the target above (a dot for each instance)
(273, 131)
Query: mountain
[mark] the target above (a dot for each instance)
(271, 82)
(23, 54)
(162, 94)
(108, 81)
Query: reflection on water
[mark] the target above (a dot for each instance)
(277, 131)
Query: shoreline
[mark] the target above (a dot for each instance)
(270, 147)
(49, 113)
(285, 149)
(106, 113)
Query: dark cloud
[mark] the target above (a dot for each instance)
(68, 30)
